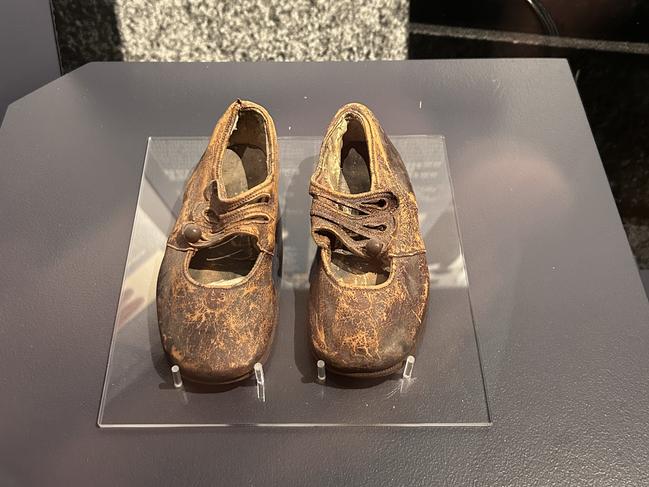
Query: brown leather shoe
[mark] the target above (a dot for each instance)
(369, 283)
(217, 292)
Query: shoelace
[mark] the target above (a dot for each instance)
(221, 219)
(364, 224)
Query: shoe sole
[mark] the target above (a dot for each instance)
(367, 375)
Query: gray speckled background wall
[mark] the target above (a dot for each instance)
(227, 30)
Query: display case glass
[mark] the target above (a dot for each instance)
(446, 387)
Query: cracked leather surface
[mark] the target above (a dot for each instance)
(367, 329)
(216, 333)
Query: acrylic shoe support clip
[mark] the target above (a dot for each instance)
(261, 384)
(175, 374)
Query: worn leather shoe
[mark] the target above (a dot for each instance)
(217, 293)
(369, 282)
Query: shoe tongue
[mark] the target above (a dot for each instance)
(355, 174)
(232, 174)
(242, 168)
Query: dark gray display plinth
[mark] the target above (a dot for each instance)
(560, 313)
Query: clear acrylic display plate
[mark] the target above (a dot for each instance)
(446, 388)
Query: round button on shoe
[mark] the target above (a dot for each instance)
(192, 233)
(373, 248)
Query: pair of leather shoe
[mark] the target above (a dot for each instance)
(218, 292)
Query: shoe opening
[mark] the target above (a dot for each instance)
(245, 162)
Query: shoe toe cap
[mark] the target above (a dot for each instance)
(369, 347)
(356, 330)
(217, 356)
